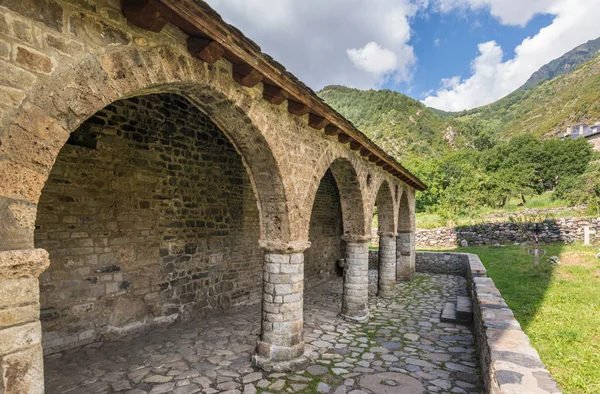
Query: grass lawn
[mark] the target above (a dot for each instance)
(477, 216)
(557, 306)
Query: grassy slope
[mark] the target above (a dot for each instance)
(548, 107)
(558, 307)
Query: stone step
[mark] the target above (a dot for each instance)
(449, 313)
(464, 310)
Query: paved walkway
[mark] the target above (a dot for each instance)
(403, 349)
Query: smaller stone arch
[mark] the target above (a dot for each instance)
(385, 209)
(405, 242)
(351, 197)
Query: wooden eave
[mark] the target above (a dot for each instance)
(198, 19)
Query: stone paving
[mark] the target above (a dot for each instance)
(404, 348)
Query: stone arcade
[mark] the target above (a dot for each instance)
(156, 166)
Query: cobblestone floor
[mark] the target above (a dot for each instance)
(404, 348)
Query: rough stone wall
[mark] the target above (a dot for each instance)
(320, 260)
(552, 230)
(595, 141)
(148, 215)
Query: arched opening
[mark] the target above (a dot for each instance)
(149, 216)
(405, 251)
(325, 234)
(343, 223)
(384, 208)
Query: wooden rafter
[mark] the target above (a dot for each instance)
(332, 130)
(246, 75)
(355, 145)
(274, 94)
(205, 49)
(297, 108)
(147, 14)
(317, 122)
(343, 138)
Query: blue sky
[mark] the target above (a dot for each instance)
(451, 54)
(445, 45)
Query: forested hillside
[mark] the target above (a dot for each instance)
(486, 156)
(401, 125)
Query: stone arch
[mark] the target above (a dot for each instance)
(31, 142)
(385, 208)
(351, 195)
(405, 216)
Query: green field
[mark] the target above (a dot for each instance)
(557, 306)
(481, 215)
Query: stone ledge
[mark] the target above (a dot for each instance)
(509, 363)
(25, 263)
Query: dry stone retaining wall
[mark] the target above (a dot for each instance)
(509, 363)
(552, 230)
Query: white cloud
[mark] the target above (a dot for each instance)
(509, 12)
(491, 77)
(436, 42)
(374, 59)
(356, 43)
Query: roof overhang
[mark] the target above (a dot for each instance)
(211, 38)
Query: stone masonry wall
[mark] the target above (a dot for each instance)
(320, 261)
(148, 216)
(552, 230)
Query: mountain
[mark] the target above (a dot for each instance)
(547, 107)
(564, 64)
(399, 124)
(564, 91)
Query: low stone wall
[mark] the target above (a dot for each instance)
(551, 230)
(509, 363)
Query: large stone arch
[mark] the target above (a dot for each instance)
(30, 142)
(405, 244)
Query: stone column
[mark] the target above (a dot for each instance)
(387, 265)
(281, 344)
(405, 256)
(356, 279)
(21, 356)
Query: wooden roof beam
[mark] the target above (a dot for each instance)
(317, 122)
(354, 145)
(246, 75)
(274, 94)
(364, 152)
(332, 130)
(343, 138)
(147, 14)
(373, 158)
(205, 49)
(297, 108)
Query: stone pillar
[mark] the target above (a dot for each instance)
(281, 344)
(405, 255)
(387, 265)
(21, 356)
(355, 298)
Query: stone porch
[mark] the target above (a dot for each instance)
(403, 348)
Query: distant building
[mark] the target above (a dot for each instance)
(591, 133)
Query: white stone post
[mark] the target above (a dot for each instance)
(405, 256)
(387, 265)
(355, 298)
(281, 344)
(21, 356)
(586, 236)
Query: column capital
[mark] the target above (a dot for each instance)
(23, 263)
(359, 239)
(283, 247)
(387, 234)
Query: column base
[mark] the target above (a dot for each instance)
(291, 365)
(406, 278)
(355, 319)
